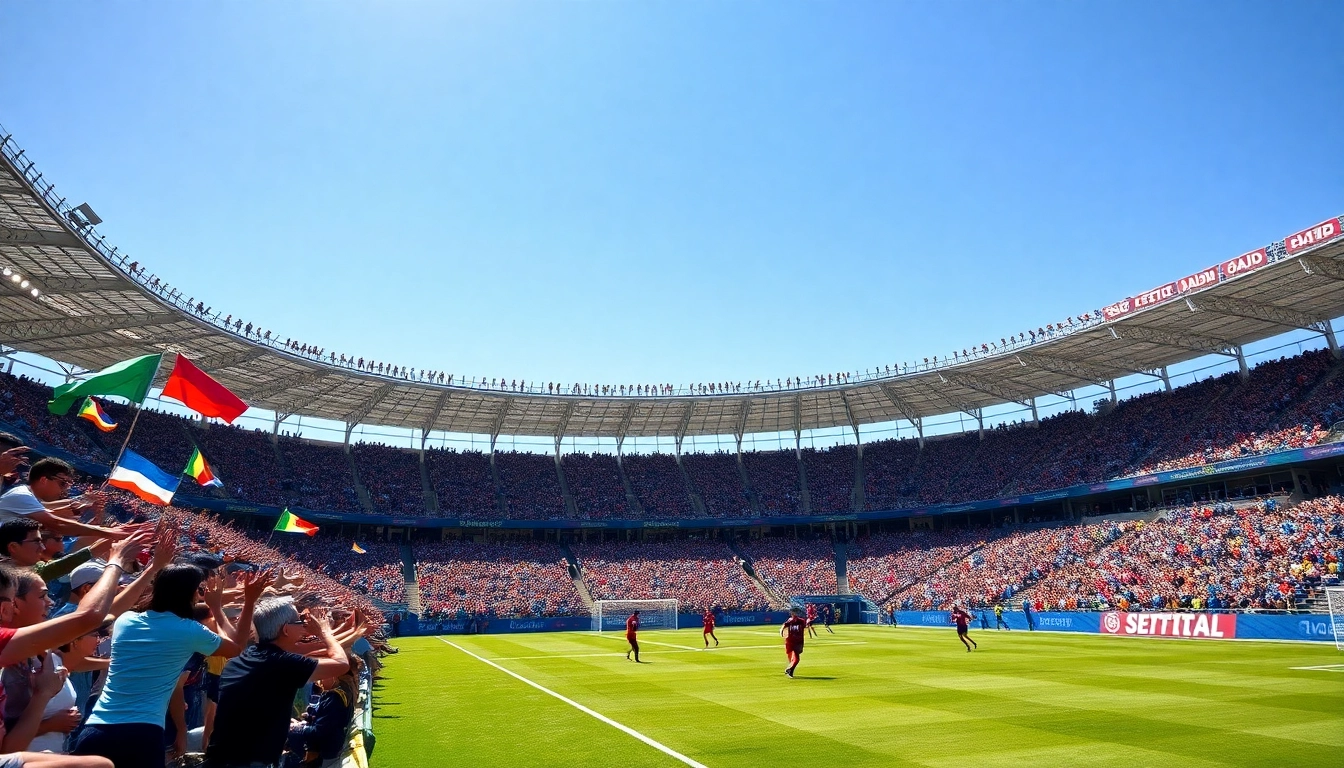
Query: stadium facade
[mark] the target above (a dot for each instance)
(71, 297)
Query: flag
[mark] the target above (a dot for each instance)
(92, 411)
(195, 389)
(358, 550)
(129, 379)
(292, 523)
(138, 475)
(199, 471)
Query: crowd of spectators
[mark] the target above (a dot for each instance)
(594, 481)
(376, 572)
(245, 462)
(658, 484)
(830, 478)
(884, 564)
(461, 579)
(463, 483)
(1003, 564)
(1258, 556)
(530, 485)
(318, 476)
(392, 478)
(700, 574)
(717, 480)
(794, 566)
(774, 477)
(23, 407)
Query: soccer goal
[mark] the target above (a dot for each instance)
(610, 615)
(1334, 597)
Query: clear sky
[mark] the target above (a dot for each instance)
(677, 191)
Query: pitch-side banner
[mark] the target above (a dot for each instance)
(1208, 626)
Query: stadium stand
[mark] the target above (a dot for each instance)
(463, 483)
(595, 483)
(461, 579)
(794, 566)
(658, 484)
(700, 574)
(392, 477)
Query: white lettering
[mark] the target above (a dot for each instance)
(1131, 624)
(1202, 626)
(1214, 630)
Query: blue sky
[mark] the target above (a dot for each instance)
(677, 191)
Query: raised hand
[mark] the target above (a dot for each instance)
(125, 551)
(48, 680)
(11, 459)
(255, 584)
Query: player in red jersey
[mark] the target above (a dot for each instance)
(632, 627)
(963, 620)
(793, 631)
(811, 619)
(708, 621)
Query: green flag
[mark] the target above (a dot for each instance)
(129, 379)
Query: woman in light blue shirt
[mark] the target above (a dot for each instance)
(148, 652)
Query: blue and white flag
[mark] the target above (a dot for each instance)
(138, 475)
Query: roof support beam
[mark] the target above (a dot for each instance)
(59, 238)
(562, 426)
(433, 418)
(797, 423)
(95, 341)
(284, 383)
(1165, 338)
(68, 286)
(1255, 310)
(1323, 267)
(624, 426)
(365, 408)
(498, 424)
(985, 386)
(1089, 373)
(849, 416)
(16, 332)
(740, 428)
(685, 424)
(910, 414)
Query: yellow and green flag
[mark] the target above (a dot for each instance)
(199, 471)
(292, 523)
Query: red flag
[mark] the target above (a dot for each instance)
(195, 389)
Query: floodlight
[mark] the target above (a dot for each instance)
(15, 277)
(35, 293)
(89, 215)
(8, 271)
(23, 284)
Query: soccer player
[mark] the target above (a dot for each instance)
(963, 620)
(811, 619)
(827, 613)
(792, 631)
(631, 628)
(708, 621)
(999, 621)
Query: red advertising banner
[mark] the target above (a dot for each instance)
(1119, 309)
(1244, 263)
(1154, 297)
(1209, 626)
(1198, 280)
(1325, 231)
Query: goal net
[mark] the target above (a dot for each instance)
(1334, 597)
(610, 615)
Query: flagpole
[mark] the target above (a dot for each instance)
(135, 418)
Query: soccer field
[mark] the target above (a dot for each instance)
(865, 696)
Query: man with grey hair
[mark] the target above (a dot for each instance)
(257, 688)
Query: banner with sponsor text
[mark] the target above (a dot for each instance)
(1208, 626)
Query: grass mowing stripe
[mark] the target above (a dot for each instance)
(625, 729)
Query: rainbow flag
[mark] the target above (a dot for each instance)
(292, 523)
(199, 471)
(358, 550)
(94, 412)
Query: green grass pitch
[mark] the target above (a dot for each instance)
(865, 696)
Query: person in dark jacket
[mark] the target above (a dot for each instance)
(325, 731)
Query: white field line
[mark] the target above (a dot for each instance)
(672, 753)
(776, 647)
(1324, 668)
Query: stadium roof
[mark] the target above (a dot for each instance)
(91, 311)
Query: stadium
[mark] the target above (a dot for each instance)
(1133, 515)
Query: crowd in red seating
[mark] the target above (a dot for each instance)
(775, 480)
(1005, 562)
(376, 572)
(463, 483)
(883, 564)
(1259, 556)
(392, 478)
(717, 481)
(658, 484)
(530, 486)
(700, 574)
(830, 478)
(794, 566)
(595, 483)
(459, 579)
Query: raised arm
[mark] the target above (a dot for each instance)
(31, 641)
(164, 551)
(234, 639)
(335, 662)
